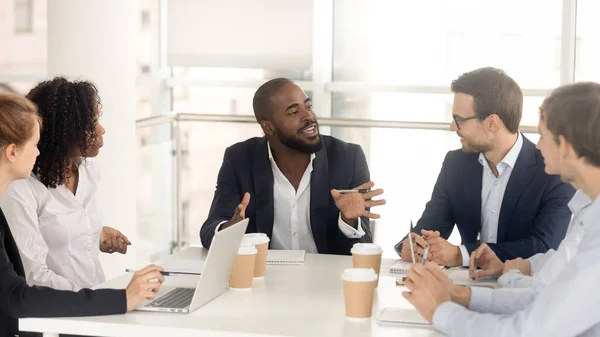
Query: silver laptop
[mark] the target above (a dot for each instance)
(212, 281)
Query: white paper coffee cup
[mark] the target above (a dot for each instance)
(367, 255)
(261, 242)
(242, 272)
(359, 289)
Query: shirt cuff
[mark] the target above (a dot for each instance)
(537, 261)
(481, 299)
(442, 317)
(465, 255)
(514, 279)
(219, 226)
(349, 231)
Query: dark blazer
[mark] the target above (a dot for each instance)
(533, 217)
(18, 300)
(246, 168)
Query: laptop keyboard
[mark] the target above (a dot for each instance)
(178, 298)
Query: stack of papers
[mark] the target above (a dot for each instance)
(286, 257)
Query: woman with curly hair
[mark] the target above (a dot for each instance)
(53, 213)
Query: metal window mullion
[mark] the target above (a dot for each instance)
(568, 41)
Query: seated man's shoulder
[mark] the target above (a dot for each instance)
(247, 146)
(335, 145)
(459, 155)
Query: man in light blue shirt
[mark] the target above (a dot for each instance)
(567, 302)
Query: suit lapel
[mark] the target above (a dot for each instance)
(319, 199)
(471, 187)
(262, 175)
(519, 178)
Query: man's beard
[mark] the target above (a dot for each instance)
(299, 145)
(475, 148)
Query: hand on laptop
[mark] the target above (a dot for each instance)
(239, 213)
(143, 285)
(484, 258)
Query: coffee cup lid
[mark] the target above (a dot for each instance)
(247, 249)
(366, 249)
(256, 238)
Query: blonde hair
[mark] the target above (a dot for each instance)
(17, 119)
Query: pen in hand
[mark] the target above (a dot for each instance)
(362, 191)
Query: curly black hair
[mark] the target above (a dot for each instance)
(69, 110)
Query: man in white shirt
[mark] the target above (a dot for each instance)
(494, 189)
(567, 304)
(289, 181)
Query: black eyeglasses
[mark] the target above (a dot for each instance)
(458, 119)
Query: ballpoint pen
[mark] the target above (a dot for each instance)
(362, 191)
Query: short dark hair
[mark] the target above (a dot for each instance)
(573, 111)
(262, 97)
(494, 92)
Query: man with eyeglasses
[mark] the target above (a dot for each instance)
(494, 189)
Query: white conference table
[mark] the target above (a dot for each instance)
(291, 301)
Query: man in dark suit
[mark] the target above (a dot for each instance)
(289, 181)
(494, 189)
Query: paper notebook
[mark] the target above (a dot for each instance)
(400, 267)
(461, 277)
(402, 316)
(285, 257)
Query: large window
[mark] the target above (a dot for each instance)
(367, 59)
(431, 42)
(588, 41)
(395, 60)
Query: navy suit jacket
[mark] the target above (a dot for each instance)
(534, 215)
(246, 168)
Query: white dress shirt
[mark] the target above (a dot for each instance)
(291, 218)
(291, 208)
(57, 232)
(567, 306)
(492, 194)
(546, 266)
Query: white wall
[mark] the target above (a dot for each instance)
(96, 41)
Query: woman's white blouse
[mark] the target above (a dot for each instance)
(57, 233)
